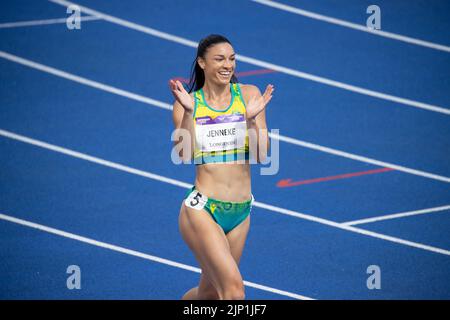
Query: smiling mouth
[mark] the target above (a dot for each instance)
(225, 74)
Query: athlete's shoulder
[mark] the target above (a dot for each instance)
(249, 90)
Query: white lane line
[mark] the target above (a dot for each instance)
(130, 25)
(396, 215)
(87, 157)
(352, 229)
(167, 106)
(342, 85)
(42, 22)
(260, 63)
(351, 25)
(360, 158)
(135, 253)
(85, 81)
(178, 183)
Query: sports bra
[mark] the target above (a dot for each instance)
(220, 135)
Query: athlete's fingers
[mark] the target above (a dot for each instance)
(177, 88)
(177, 84)
(173, 89)
(180, 86)
(269, 90)
(177, 94)
(174, 86)
(267, 93)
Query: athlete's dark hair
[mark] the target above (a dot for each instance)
(197, 79)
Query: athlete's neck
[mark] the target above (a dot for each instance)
(214, 92)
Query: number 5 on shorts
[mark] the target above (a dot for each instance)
(196, 200)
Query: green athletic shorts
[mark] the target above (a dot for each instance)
(228, 215)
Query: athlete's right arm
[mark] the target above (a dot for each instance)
(182, 114)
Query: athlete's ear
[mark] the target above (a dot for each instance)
(201, 62)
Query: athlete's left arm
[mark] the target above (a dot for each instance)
(256, 118)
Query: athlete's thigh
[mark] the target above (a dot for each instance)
(237, 237)
(236, 240)
(210, 246)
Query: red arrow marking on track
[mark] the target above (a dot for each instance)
(287, 182)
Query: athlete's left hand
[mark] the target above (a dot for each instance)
(257, 103)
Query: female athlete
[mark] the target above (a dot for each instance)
(224, 119)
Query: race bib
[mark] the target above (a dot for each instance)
(226, 132)
(196, 200)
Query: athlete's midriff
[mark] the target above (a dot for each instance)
(224, 181)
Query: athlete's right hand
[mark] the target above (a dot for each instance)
(181, 95)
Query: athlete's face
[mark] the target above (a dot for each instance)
(219, 63)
